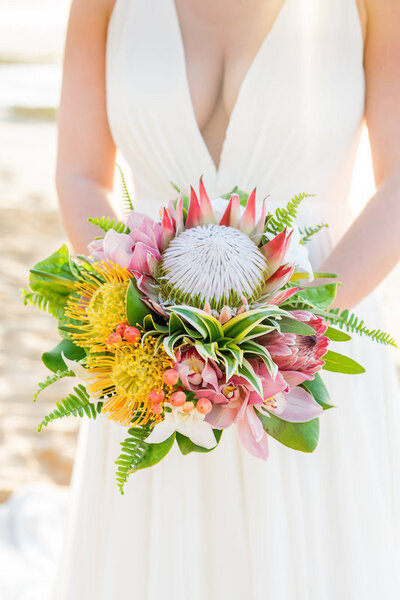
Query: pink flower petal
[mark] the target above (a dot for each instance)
(221, 416)
(275, 250)
(259, 449)
(194, 214)
(248, 220)
(207, 213)
(301, 406)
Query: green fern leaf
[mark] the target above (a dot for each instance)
(51, 303)
(126, 199)
(107, 223)
(350, 322)
(77, 404)
(308, 232)
(52, 379)
(285, 217)
(133, 449)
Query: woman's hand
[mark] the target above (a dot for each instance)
(371, 247)
(86, 151)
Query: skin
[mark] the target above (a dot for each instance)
(86, 152)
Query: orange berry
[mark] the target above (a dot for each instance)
(177, 399)
(132, 335)
(113, 338)
(188, 407)
(156, 409)
(121, 328)
(204, 406)
(156, 396)
(170, 377)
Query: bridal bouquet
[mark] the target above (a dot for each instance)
(181, 328)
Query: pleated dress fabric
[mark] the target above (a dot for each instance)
(226, 525)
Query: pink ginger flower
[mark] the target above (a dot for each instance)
(298, 357)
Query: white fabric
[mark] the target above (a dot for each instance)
(32, 528)
(225, 525)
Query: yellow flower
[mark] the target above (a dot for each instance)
(128, 375)
(99, 305)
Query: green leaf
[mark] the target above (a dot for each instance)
(231, 364)
(186, 446)
(320, 295)
(136, 454)
(170, 341)
(294, 326)
(251, 347)
(318, 390)
(136, 309)
(50, 380)
(240, 326)
(155, 453)
(107, 223)
(53, 279)
(204, 323)
(53, 359)
(338, 363)
(299, 436)
(207, 350)
(246, 371)
(336, 335)
(77, 404)
(149, 324)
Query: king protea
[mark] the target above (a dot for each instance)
(222, 265)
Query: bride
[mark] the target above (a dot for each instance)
(266, 93)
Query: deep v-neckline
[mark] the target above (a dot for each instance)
(241, 92)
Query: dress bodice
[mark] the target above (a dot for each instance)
(295, 125)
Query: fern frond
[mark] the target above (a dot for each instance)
(285, 217)
(50, 380)
(134, 449)
(77, 405)
(50, 303)
(350, 322)
(107, 223)
(307, 232)
(126, 199)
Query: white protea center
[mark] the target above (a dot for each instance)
(212, 263)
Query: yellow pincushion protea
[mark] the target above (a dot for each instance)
(98, 306)
(127, 375)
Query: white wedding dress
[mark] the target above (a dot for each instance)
(225, 525)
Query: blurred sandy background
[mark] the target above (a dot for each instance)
(31, 42)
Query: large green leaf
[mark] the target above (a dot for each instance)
(136, 309)
(336, 335)
(320, 295)
(52, 278)
(338, 363)
(299, 436)
(154, 453)
(318, 390)
(53, 359)
(294, 326)
(186, 446)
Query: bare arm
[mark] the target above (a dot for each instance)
(86, 152)
(371, 247)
